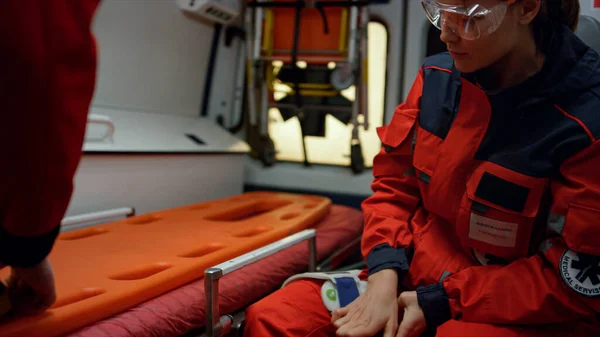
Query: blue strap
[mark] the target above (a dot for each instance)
(347, 290)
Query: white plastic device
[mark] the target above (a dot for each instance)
(221, 11)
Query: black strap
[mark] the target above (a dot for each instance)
(321, 10)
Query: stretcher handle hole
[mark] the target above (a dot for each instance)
(203, 250)
(289, 216)
(143, 219)
(249, 210)
(310, 206)
(78, 296)
(140, 273)
(82, 234)
(248, 233)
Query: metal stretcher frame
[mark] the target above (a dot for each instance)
(216, 325)
(352, 68)
(232, 325)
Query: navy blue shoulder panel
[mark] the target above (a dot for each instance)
(442, 60)
(586, 108)
(440, 95)
(536, 145)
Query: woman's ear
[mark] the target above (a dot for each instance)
(528, 10)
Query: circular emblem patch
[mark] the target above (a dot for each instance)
(581, 272)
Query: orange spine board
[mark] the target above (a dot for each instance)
(106, 269)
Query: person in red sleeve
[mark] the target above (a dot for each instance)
(485, 217)
(47, 80)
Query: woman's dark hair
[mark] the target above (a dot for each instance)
(552, 12)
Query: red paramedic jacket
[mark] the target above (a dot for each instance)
(509, 180)
(47, 80)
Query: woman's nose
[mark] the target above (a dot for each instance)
(448, 35)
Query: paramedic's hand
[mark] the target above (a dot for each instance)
(413, 322)
(31, 290)
(376, 309)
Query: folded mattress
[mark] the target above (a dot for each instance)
(183, 309)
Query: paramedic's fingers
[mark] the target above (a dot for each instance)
(413, 322)
(369, 315)
(339, 313)
(373, 310)
(339, 316)
(391, 326)
(32, 290)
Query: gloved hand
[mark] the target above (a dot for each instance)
(31, 290)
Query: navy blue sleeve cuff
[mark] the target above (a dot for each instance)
(435, 305)
(25, 252)
(386, 257)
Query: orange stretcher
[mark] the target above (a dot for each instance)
(106, 269)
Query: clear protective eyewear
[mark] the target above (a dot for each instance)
(469, 22)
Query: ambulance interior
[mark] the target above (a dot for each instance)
(206, 181)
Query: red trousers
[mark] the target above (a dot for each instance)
(298, 311)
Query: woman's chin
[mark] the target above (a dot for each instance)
(464, 66)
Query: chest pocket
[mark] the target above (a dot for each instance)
(498, 212)
(396, 139)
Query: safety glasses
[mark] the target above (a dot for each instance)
(469, 22)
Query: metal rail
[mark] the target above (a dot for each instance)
(89, 219)
(103, 120)
(217, 325)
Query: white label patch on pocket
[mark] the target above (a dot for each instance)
(494, 232)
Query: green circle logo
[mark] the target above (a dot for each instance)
(331, 294)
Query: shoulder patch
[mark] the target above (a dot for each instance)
(581, 272)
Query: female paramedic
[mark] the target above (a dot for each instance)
(485, 217)
(47, 80)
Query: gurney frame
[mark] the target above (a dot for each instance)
(217, 325)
